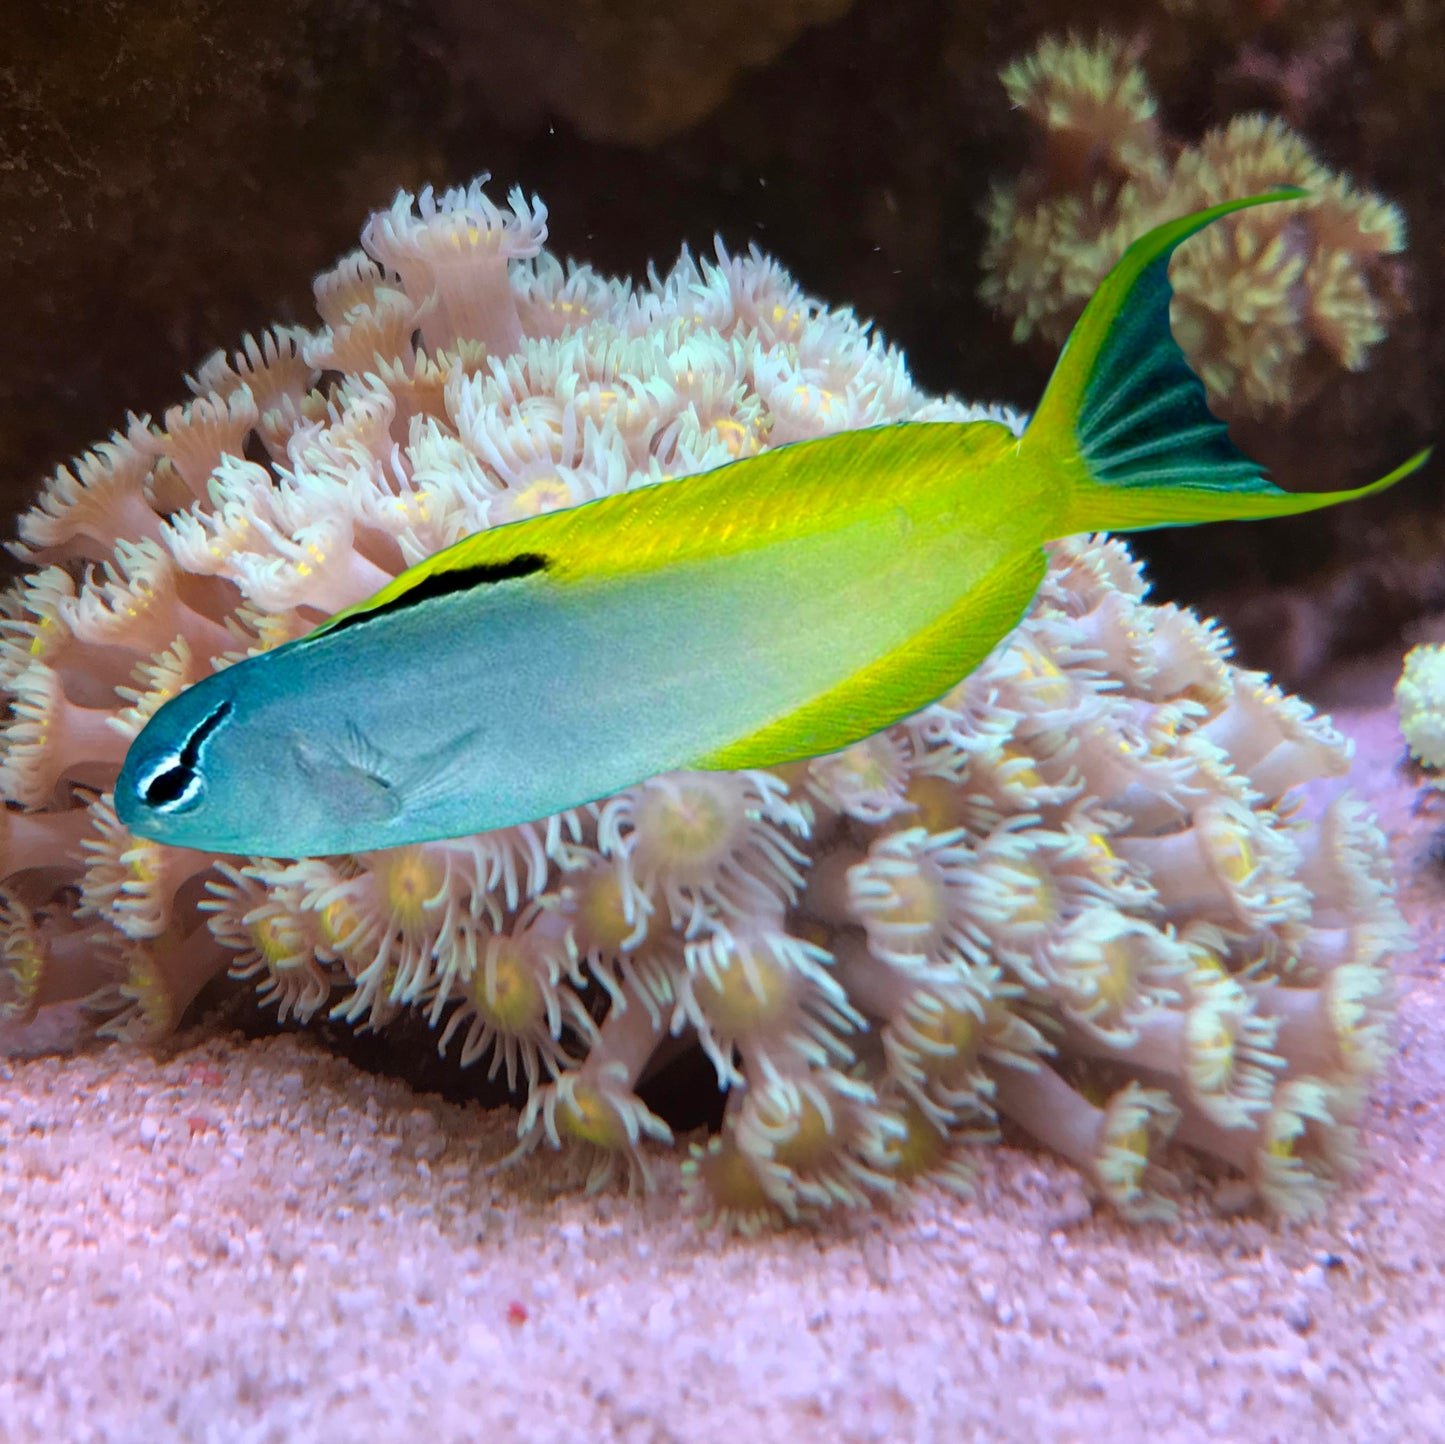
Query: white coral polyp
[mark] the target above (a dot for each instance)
(1078, 874)
(455, 248)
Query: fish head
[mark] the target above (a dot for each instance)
(217, 769)
(164, 791)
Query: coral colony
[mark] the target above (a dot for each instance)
(1265, 308)
(1420, 700)
(1071, 894)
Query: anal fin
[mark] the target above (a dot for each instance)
(929, 664)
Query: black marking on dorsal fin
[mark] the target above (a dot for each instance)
(444, 583)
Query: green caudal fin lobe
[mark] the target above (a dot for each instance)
(1126, 419)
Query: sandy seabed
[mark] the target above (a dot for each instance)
(257, 1242)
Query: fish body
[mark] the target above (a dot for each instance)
(546, 679)
(777, 608)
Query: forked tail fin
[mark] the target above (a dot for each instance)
(1125, 420)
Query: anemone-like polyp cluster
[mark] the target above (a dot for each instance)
(1269, 305)
(1074, 893)
(1420, 699)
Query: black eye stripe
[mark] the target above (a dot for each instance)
(175, 780)
(190, 753)
(168, 786)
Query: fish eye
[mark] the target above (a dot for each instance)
(175, 783)
(171, 786)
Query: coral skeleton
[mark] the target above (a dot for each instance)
(1073, 894)
(1266, 305)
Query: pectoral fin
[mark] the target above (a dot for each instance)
(439, 774)
(358, 777)
(351, 774)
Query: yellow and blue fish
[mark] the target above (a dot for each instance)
(777, 608)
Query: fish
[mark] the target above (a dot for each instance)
(776, 608)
